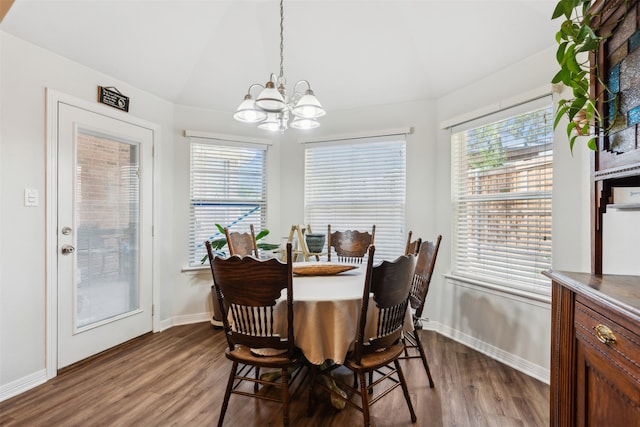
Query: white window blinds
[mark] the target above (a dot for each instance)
(501, 191)
(354, 184)
(228, 187)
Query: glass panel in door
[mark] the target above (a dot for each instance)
(107, 220)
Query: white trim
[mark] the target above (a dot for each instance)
(202, 269)
(544, 296)
(54, 97)
(225, 137)
(502, 104)
(51, 186)
(23, 384)
(357, 135)
(185, 319)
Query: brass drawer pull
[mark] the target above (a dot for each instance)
(605, 335)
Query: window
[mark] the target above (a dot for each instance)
(354, 184)
(228, 187)
(501, 191)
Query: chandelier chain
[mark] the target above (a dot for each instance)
(273, 108)
(281, 40)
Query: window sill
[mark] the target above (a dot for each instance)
(196, 270)
(543, 295)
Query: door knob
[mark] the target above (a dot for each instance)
(68, 249)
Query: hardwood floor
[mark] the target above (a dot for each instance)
(177, 378)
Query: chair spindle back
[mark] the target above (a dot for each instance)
(390, 283)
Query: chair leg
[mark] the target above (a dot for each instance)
(365, 400)
(405, 390)
(256, 384)
(285, 397)
(423, 356)
(227, 393)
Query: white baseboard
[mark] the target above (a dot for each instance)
(23, 384)
(516, 362)
(184, 320)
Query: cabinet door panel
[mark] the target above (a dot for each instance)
(606, 397)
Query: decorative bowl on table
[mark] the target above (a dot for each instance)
(315, 242)
(320, 269)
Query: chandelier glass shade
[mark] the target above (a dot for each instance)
(273, 108)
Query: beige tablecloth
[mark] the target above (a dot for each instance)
(325, 314)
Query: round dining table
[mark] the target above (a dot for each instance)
(326, 309)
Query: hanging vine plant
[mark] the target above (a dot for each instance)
(576, 41)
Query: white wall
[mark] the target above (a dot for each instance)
(509, 327)
(25, 73)
(506, 326)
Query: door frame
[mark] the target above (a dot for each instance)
(53, 98)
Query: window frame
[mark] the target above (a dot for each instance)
(537, 284)
(223, 146)
(334, 208)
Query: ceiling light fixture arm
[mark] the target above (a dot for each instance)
(251, 87)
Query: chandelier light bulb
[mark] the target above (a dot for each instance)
(271, 123)
(248, 113)
(304, 124)
(308, 106)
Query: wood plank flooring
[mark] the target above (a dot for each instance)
(177, 378)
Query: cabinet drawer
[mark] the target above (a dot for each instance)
(621, 347)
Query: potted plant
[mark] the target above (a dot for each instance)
(219, 243)
(577, 41)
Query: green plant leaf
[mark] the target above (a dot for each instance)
(268, 246)
(572, 141)
(559, 11)
(592, 144)
(562, 46)
(560, 114)
(591, 40)
(559, 77)
(262, 234)
(576, 106)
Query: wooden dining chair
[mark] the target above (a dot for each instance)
(247, 290)
(425, 264)
(389, 284)
(413, 246)
(350, 246)
(242, 244)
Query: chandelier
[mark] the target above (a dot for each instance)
(273, 108)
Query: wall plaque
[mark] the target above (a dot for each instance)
(113, 98)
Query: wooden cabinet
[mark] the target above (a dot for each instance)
(595, 350)
(595, 326)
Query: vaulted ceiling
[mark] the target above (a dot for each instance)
(355, 53)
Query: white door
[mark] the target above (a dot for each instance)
(104, 232)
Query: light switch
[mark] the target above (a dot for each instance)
(31, 197)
